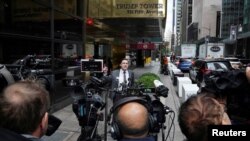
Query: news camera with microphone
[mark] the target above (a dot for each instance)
(160, 89)
(233, 87)
(87, 104)
(11, 73)
(139, 93)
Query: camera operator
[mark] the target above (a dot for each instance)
(197, 113)
(23, 110)
(131, 121)
(140, 115)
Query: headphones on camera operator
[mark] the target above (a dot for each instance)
(115, 130)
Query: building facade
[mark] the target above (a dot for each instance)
(235, 16)
(186, 19)
(46, 35)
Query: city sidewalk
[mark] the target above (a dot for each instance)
(70, 129)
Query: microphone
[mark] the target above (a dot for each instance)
(160, 88)
(117, 81)
(129, 81)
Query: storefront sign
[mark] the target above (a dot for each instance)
(143, 46)
(127, 8)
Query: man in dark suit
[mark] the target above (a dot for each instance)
(24, 111)
(121, 78)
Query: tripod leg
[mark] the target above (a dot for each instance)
(106, 116)
(82, 136)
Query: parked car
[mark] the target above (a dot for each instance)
(184, 64)
(235, 62)
(201, 67)
(244, 62)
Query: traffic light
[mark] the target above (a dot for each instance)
(90, 21)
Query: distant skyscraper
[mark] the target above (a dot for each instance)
(178, 22)
(232, 14)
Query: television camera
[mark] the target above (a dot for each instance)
(233, 87)
(150, 98)
(21, 69)
(87, 104)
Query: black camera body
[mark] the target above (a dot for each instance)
(32, 66)
(234, 87)
(10, 73)
(87, 104)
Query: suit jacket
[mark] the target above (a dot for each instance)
(7, 135)
(115, 75)
(115, 82)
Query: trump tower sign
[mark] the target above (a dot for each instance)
(127, 8)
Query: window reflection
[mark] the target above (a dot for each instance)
(69, 6)
(30, 18)
(67, 27)
(20, 48)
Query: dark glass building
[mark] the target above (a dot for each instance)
(235, 13)
(51, 31)
(232, 15)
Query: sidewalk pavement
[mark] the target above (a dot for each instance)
(69, 130)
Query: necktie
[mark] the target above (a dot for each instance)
(124, 77)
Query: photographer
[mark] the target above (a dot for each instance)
(131, 122)
(23, 110)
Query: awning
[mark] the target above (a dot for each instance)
(143, 46)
